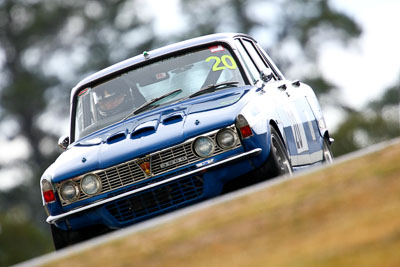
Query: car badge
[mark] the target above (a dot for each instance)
(144, 164)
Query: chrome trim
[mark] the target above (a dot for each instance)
(254, 152)
(129, 172)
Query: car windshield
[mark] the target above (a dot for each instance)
(152, 85)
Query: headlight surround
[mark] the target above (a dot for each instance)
(91, 184)
(69, 191)
(203, 146)
(226, 138)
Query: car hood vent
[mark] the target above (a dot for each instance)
(116, 137)
(173, 118)
(144, 129)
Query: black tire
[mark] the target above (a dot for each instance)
(62, 239)
(270, 169)
(278, 162)
(327, 155)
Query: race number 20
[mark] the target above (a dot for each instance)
(222, 62)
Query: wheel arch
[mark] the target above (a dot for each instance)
(274, 124)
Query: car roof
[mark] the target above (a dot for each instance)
(218, 37)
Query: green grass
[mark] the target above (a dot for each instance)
(344, 215)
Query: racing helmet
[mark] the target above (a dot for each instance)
(112, 100)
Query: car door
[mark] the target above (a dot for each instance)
(270, 94)
(299, 123)
(301, 126)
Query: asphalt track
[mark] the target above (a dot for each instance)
(44, 259)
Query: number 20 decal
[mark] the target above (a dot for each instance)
(224, 60)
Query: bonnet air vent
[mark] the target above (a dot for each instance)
(173, 118)
(145, 128)
(143, 131)
(116, 137)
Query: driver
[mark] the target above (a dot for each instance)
(111, 101)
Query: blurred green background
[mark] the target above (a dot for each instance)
(47, 46)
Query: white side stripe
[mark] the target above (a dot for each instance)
(299, 160)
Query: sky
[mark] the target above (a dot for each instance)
(370, 65)
(375, 64)
(361, 70)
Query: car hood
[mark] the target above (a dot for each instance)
(149, 132)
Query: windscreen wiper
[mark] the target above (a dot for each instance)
(150, 103)
(214, 87)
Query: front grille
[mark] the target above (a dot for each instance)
(154, 201)
(120, 175)
(162, 161)
(166, 159)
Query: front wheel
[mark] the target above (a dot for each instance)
(278, 162)
(62, 239)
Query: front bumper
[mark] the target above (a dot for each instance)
(53, 219)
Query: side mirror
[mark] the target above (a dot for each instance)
(266, 75)
(63, 142)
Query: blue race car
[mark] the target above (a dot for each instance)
(174, 126)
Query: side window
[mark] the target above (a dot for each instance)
(254, 54)
(251, 68)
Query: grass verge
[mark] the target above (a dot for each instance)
(344, 215)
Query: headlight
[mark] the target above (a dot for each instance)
(69, 191)
(226, 138)
(91, 184)
(203, 146)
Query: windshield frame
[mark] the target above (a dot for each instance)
(228, 44)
